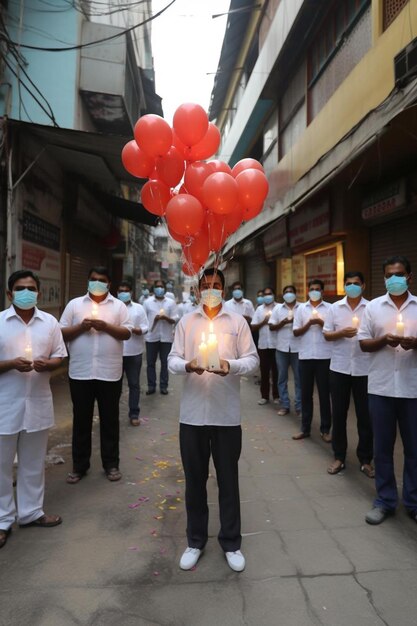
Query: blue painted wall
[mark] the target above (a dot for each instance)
(47, 24)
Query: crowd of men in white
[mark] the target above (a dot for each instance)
(367, 349)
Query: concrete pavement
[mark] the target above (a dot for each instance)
(311, 558)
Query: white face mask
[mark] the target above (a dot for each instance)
(211, 298)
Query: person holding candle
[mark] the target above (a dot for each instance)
(239, 304)
(287, 347)
(210, 415)
(31, 347)
(314, 360)
(392, 387)
(162, 316)
(349, 374)
(133, 348)
(95, 346)
(267, 343)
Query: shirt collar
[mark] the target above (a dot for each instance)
(222, 311)
(410, 299)
(11, 312)
(108, 298)
(344, 302)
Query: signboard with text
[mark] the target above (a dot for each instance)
(309, 223)
(387, 199)
(323, 265)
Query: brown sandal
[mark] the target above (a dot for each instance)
(45, 521)
(113, 474)
(4, 535)
(368, 470)
(335, 467)
(74, 477)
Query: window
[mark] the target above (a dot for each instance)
(391, 9)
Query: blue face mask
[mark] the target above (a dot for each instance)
(97, 287)
(396, 285)
(314, 295)
(25, 299)
(211, 298)
(192, 299)
(268, 299)
(260, 299)
(289, 297)
(145, 292)
(124, 296)
(237, 294)
(159, 291)
(353, 291)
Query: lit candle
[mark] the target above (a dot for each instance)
(314, 314)
(399, 326)
(268, 313)
(290, 314)
(29, 352)
(162, 312)
(202, 352)
(94, 311)
(213, 360)
(355, 321)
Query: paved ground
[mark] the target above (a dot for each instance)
(311, 559)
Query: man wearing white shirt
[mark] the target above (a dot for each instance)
(239, 304)
(94, 327)
(389, 332)
(314, 360)
(162, 316)
(282, 320)
(210, 414)
(349, 374)
(133, 348)
(31, 346)
(267, 340)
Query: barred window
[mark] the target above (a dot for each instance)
(391, 9)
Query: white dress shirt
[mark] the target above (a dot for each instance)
(137, 318)
(210, 399)
(392, 371)
(312, 344)
(286, 342)
(189, 307)
(347, 356)
(162, 330)
(95, 355)
(26, 397)
(243, 306)
(267, 337)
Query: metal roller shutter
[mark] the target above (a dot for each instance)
(85, 252)
(257, 275)
(396, 237)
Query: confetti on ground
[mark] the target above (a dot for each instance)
(154, 533)
(156, 573)
(164, 432)
(140, 501)
(133, 548)
(158, 517)
(138, 458)
(172, 508)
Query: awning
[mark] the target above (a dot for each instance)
(95, 159)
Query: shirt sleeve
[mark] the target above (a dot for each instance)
(251, 310)
(274, 319)
(58, 349)
(67, 317)
(257, 318)
(329, 325)
(248, 359)
(298, 318)
(366, 329)
(176, 360)
(124, 319)
(143, 320)
(173, 313)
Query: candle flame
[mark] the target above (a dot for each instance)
(400, 317)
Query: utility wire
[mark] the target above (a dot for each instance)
(90, 43)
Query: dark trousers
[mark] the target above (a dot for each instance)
(386, 413)
(269, 372)
(83, 395)
(341, 386)
(224, 443)
(315, 370)
(131, 367)
(153, 348)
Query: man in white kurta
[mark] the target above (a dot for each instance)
(210, 416)
(31, 346)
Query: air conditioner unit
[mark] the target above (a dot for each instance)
(405, 63)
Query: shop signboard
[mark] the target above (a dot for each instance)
(323, 265)
(385, 200)
(309, 223)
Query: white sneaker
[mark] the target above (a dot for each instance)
(263, 401)
(236, 561)
(190, 558)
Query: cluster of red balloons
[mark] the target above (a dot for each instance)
(213, 198)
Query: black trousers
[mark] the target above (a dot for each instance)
(341, 386)
(269, 372)
(315, 370)
(224, 443)
(83, 395)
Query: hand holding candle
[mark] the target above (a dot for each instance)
(29, 352)
(399, 326)
(94, 311)
(290, 315)
(355, 321)
(202, 357)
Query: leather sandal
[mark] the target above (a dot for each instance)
(44, 521)
(326, 437)
(335, 467)
(368, 470)
(299, 436)
(74, 477)
(134, 421)
(4, 535)
(113, 474)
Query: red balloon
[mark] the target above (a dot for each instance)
(217, 232)
(233, 220)
(185, 214)
(135, 161)
(182, 239)
(155, 196)
(246, 164)
(252, 189)
(190, 269)
(220, 193)
(190, 123)
(207, 146)
(170, 167)
(180, 146)
(219, 166)
(197, 252)
(194, 177)
(153, 135)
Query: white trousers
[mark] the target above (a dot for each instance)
(30, 486)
